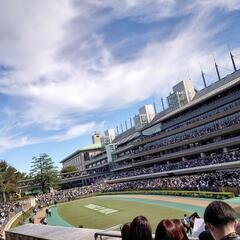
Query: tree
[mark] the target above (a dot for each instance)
(9, 178)
(69, 169)
(44, 172)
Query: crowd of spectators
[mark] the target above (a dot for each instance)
(206, 110)
(193, 133)
(7, 211)
(205, 115)
(205, 181)
(190, 163)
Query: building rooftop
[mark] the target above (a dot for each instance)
(84, 149)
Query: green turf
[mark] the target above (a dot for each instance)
(76, 214)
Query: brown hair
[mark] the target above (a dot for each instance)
(170, 230)
(219, 213)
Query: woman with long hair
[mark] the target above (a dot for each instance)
(140, 229)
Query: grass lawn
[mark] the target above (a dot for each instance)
(77, 214)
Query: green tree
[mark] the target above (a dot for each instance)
(69, 169)
(9, 178)
(44, 172)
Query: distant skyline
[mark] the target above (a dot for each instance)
(72, 67)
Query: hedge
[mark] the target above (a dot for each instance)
(214, 195)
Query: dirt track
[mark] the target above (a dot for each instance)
(191, 201)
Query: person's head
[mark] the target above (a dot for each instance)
(140, 229)
(238, 228)
(170, 230)
(205, 235)
(220, 218)
(181, 229)
(125, 229)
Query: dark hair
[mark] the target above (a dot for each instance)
(140, 229)
(125, 229)
(205, 235)
(170, 230)
(219, 213)
(238, 229)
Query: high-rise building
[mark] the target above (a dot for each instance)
(149, 111)
(183, 93)
(96, 138)
(110, 134)
(145, 116)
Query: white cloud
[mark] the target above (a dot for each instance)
(79, 130)
(62, 69)
(8, 141)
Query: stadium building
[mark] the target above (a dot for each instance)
(200, 134)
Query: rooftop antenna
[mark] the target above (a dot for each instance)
(233, 62)
(162, 103)
(117, 131)
(217, 70)
(126, 125)
(121, 127)
(169, 89)
(154, 105)
(131, 122)
(188, 75)
(203, 77)
(232, 59)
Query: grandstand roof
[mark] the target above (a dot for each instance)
(229, 78)
(90, 147)
(213, 89)
(126, 136)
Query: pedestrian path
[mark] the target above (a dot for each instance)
(56, 220)
(40, 214)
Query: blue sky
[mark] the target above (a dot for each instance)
(71, 68)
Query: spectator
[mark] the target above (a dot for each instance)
(44, 221)
(205, 235)
(170, 230)
(140, 229)
(49, 212)
(31, 220)
(125, 229)
(187, 223)
(221, 220)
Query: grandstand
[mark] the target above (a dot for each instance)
(201, 136)
(191, 151)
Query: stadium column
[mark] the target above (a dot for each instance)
(202, 155)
